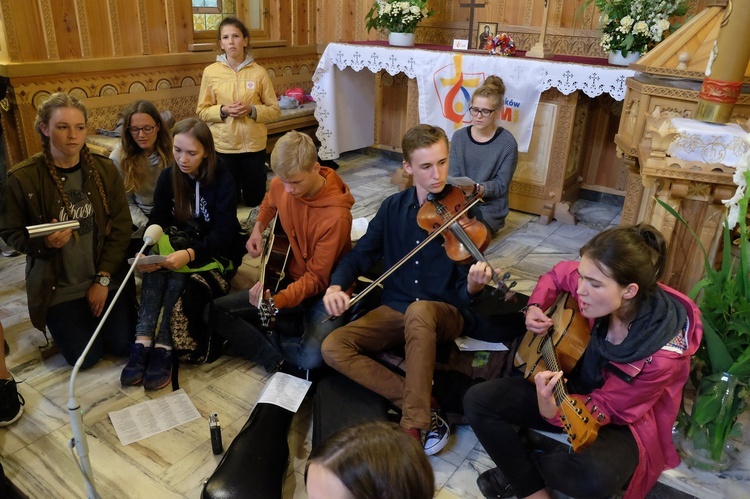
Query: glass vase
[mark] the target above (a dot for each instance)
(704, 442)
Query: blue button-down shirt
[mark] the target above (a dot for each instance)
(428, 275)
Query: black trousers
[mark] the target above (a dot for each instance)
(496, 408)
(249, 172)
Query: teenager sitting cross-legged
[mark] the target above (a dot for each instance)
(423, 302)
(314, 209)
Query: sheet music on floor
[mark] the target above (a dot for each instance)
(466, 344)
(285, 390)
(148, 418)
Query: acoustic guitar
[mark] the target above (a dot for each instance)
(273, 262)
(567, 337)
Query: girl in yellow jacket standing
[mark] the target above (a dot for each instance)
(237, 100)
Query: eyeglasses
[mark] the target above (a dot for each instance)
(475, 111)
(148, 129)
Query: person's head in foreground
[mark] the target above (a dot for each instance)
(374, 460)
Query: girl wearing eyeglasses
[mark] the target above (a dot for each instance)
(144, 151)
(486, 153)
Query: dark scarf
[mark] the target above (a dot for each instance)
(658, 320)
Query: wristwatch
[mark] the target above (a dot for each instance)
(102, 279)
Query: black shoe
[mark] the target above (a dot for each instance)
(11, 402)
(133, 372)
(492, 484)
(159, 371)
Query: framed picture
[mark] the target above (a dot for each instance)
(485, 33)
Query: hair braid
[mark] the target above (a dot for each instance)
(55, 177)
(89, 162)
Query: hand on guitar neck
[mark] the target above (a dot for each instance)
(545, 382)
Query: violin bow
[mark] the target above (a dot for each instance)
(354, 299)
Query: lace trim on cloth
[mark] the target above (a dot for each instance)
(339, 105)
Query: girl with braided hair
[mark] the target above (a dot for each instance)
(71, 278)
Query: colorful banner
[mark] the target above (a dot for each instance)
(448, 80)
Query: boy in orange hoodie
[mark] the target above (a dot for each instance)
(314, 208)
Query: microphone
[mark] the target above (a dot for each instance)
(152, 234)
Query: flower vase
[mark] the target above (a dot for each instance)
(704, 442)
(617, 59)
(401, 39)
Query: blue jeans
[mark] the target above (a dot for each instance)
(72, 324)
(297, 336)
(160, 288)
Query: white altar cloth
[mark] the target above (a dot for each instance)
(346, 98)
(703, 142)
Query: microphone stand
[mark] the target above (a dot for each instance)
(74, 408)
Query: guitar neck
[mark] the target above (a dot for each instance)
(550, 358)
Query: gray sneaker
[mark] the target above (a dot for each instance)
(437, 436)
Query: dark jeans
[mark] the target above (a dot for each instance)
(159, 289)
(72, 324)
(249, 172)
(601, 470)
(297, 336)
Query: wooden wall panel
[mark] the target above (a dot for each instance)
(29, 30)
(65, 22)
(96, 35)
(156, 27)
(127, 28)
(180, 25)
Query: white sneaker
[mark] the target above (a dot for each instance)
(437, 436)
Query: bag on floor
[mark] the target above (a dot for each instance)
(193, 338)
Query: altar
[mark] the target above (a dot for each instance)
(356, 109)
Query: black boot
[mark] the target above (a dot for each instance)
(492, 484)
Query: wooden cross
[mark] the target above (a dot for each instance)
(471, 5)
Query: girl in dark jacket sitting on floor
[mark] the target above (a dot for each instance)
(195, 203)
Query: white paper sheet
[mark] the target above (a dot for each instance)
(285, 391)
(359, 227)
(467, 344)
(148, 418)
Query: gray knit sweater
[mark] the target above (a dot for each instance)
(491, 164)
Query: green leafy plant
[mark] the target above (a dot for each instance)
(397, 16)
(723, 296)
(636, 25)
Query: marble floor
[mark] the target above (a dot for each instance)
(35, 453)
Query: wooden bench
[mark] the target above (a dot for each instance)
(301, 118)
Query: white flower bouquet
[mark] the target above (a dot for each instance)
(397, 16)
(636, 25)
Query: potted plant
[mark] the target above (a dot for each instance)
(721, 367)
(630, 28)
(399, 18)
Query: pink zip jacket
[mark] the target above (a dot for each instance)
(649, 403)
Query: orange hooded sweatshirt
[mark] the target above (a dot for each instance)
(319, 232)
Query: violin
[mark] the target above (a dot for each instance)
(438, 209)
(467, 238)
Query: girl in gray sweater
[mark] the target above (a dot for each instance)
(486, 153)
